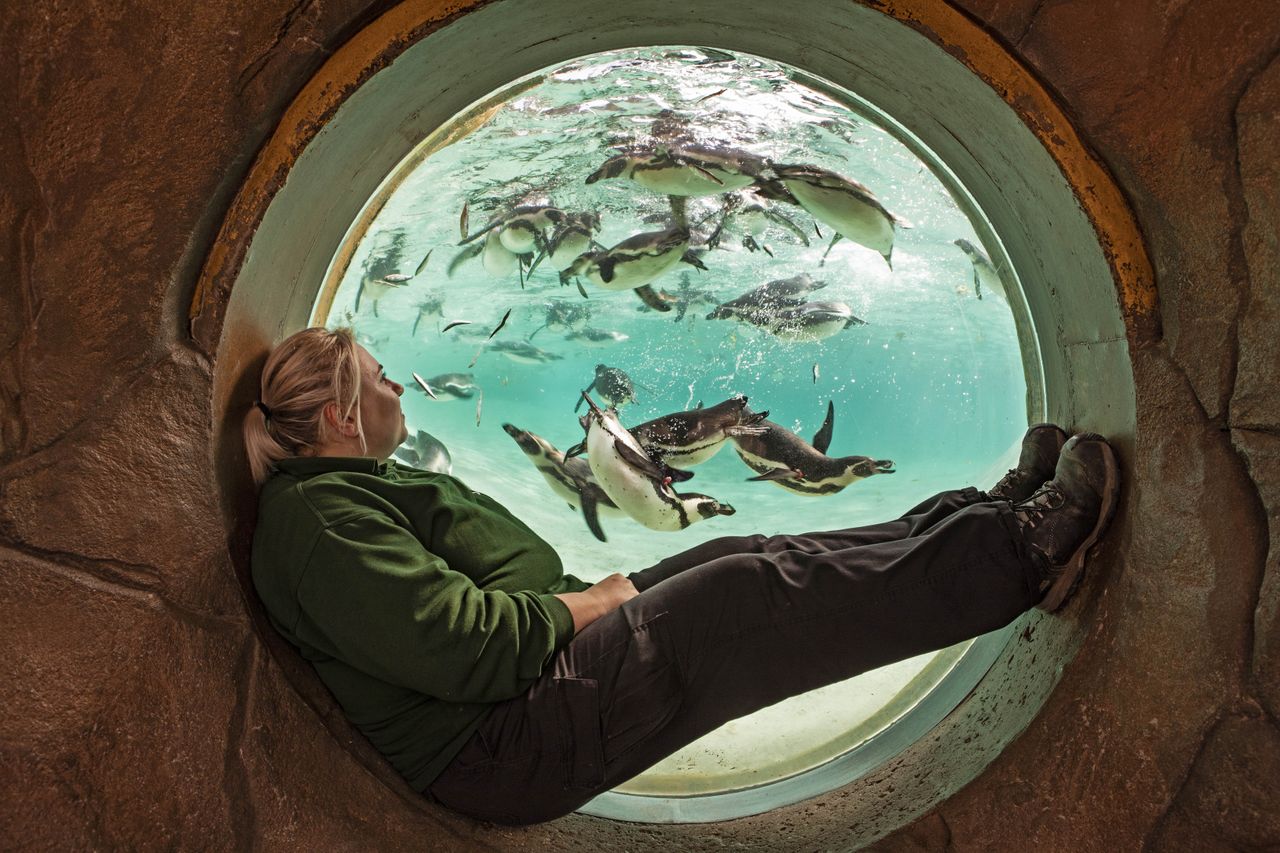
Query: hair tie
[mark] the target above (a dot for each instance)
(263, 406)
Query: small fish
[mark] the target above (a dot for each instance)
(422, 266)
(422, 383)
(395, 278)
(712, 95)
(449, 326)
(815, 373)
(501, 323)
(463, 220)
(479, 406)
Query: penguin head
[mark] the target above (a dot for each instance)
(527, 441)
(615, 167)
(709, 507)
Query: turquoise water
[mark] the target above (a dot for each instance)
(933, 381)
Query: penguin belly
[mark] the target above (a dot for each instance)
(854, 219)
(688, 181)
(650, 504)
(636, 271)
(497, 260)
(804, 329)
(568, 249)
(518, 237)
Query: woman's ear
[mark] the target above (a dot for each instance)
(342, 426)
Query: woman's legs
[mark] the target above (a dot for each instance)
(913, 522)
(738, 633)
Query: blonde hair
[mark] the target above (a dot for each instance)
(303, 373)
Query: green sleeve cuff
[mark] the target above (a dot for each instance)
(561, 618)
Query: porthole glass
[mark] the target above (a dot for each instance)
(899, 342)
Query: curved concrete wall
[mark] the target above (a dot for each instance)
(143, 710)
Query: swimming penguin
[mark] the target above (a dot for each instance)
(520, 230)
(844, 204)
(371, 291)
(571, 238)
(427, 453)
(985, 275)
(767, 298)
(613, 385)
(524, 352)
(686, 170)
(452, 386)
(590, 337)
(432, 306)
(751, 215)
(570, 479)
(689, 438)
(635, 262)
(808, 322)
(634, 482)
(687, 296)
(789, 461)
(562, 317)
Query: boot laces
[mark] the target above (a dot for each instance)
(1047, 499)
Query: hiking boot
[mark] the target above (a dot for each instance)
(1065, 517)
(1040, 448)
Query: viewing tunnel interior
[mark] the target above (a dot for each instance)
(1109, 723)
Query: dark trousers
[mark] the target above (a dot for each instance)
(731, 626)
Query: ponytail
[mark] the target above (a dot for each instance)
(303, 373)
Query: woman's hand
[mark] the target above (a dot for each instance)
(604, 597)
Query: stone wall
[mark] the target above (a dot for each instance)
(143, 711)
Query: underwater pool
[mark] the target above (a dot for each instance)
(930, 375)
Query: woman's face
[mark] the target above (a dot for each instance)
(380, 413)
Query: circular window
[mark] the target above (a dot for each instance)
(905, 340)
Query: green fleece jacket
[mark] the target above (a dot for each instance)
(419, 601)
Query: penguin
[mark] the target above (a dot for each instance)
(426, 453)
(372, 290)
(432, 306)
(524, 352)
(563, 317)
(685, 170)
(692, 437)
(806, 323)
(452, 386)
(985, 275)
(571, 238)
(613, 385)
(570, 479)
(789, 461)
(636, 261)
(630, 478)
(767, 298)
(521, 230)
(686, 296)
(751, 215)
(844, 204)
(591, 337)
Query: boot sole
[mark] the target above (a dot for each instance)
(1073, 569)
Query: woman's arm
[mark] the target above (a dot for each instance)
(604, 597)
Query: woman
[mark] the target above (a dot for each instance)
(507, 690)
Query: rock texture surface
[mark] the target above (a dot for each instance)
(142, 709)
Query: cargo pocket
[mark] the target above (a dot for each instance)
(646, 696)
(582, 751)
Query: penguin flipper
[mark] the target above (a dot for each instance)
(639, 461)
(582, 398)
(591, 516)
(360, 292)
(652, 298)
(822, 438)
(465, 255)
(677, 475)
(693, 260)
(835, 239)
(778, 474)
